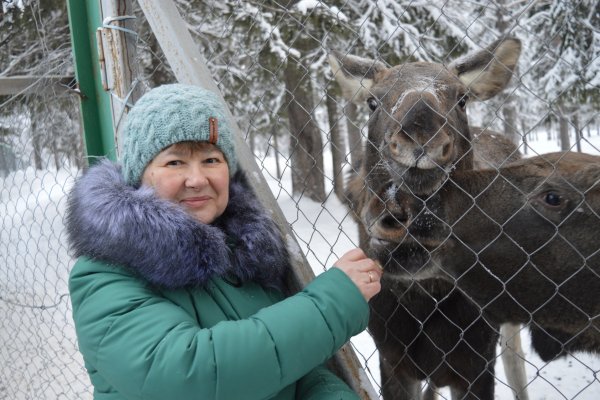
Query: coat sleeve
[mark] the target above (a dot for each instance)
(145, 346)
(322, 384)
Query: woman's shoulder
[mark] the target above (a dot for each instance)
(86, 265)
(87, 269)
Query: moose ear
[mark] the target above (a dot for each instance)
(355, 75)
(488, 71)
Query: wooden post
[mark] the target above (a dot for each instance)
(189, 67)
(116, 47)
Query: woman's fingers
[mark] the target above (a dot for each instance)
(363, 271)
(355, 254)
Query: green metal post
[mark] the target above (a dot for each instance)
(96, 112)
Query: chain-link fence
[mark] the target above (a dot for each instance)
(270, 61)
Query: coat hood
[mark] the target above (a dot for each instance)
(157, 240)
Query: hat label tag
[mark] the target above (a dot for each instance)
(213, 130)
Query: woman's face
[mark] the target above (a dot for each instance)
(194, 175)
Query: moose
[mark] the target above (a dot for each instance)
(418, 132)
(520, 241)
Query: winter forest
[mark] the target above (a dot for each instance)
(269, 58)
(270, 61)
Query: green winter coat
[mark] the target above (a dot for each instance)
(171, 345)
(158, 324)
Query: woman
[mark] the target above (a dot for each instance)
(178, 292)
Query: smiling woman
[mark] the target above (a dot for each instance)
(179, 290)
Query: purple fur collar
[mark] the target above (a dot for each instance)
(110, 221)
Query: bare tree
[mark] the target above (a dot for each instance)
(354, 136)
(338, 147)
(306, 145)
(565, 142)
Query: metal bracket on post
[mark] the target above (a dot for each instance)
(189, 66)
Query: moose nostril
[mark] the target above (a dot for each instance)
(446, 150)
(391, 222)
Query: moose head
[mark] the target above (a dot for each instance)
(418, 120)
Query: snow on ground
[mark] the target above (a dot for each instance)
(39, 358)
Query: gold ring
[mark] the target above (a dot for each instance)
(370, 277)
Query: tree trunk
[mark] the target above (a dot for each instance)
(578, 133)
(55, 153)
(509, 113)
(565, 143)
(525, 134)
(36, 141)
(338, 148)
(509, 116)
(354, 137)
(5, 160)
(306, 145)
(276, 150)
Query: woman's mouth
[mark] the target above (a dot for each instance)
(195, 202)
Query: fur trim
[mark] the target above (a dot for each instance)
(157, 240)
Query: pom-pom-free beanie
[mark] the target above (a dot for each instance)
(170, 114)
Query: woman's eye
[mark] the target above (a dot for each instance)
(372, 103)
(174, 162)
(552, 199)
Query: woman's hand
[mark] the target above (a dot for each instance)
(363, 271)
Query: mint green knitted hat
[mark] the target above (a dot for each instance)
(170, 114)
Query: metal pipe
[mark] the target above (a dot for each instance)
(96, 113)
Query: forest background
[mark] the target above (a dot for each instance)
(269, 59)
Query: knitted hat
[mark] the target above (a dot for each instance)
(170, 114)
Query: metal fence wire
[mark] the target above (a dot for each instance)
(271, 62)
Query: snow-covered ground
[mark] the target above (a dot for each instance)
(39, 358)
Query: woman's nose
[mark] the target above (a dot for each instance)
(196, 178)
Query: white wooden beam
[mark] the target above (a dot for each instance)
(15, 85)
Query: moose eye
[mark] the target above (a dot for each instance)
(462, 101)
(553, 199)
(372, 103)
